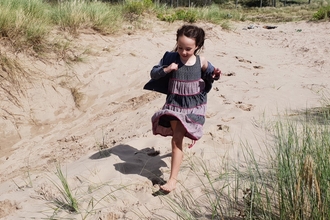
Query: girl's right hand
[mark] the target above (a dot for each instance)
(171, 67)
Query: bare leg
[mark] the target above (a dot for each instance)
(177, 155)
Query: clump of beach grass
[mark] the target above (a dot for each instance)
(213, 196)
(86, 200)
(287, 179)
(13, 80)
(67, 200)
(294, 183)
(24, 24)
(73, 16)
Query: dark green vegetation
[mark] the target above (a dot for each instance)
(322, 13)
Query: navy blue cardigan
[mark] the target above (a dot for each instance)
(159, 79)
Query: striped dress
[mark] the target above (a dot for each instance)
(185, 101)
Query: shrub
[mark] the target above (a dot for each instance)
(322, 13)
(186, 15)
(181, 14)
(166, 17)
(133, 9)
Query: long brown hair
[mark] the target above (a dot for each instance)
(191, 31)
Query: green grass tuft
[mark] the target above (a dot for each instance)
(67, 201)
(322, 13)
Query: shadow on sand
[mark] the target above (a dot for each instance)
(146, 162)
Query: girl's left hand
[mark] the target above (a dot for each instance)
(216, 74)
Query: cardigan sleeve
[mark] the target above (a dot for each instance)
(207, 76)
(157, 71)
(208, 73)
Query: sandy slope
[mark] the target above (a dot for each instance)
(103, 139)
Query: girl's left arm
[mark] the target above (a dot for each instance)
(209, 70)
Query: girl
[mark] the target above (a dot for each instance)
(186, 78)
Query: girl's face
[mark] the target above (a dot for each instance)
(186, 47)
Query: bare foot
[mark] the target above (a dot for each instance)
(169, 186)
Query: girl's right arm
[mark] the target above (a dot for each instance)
(158, 70)
(166, 65)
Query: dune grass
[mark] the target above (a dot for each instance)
(295, 184)
(288, 180)
(67, 200)
(24, 24)
(12, 83)
(84, 201)
(73, 16)
(27, 25)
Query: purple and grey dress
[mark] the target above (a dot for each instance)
(186, 98)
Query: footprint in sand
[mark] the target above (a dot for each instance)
(7, 207)
(243, 106)
(227, 119)
(229, 74)
(241, 59)
(225, 100)
(222, 127)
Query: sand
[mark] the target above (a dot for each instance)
(93, 119)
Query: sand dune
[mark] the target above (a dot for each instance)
(94, 119)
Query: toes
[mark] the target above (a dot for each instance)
(167, 187)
